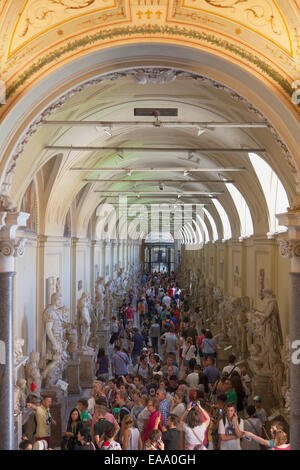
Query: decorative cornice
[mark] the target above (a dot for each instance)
(154, 30)
(12, 248)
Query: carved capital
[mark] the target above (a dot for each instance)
(12, 248)
(290, 248)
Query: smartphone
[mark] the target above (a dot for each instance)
(194, 403)
(220, 411)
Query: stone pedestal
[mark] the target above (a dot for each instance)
(86, 369)
(59, 413)
(73, 378)
(102, 338)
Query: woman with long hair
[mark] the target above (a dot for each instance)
(194, 427)
(70, 436)
(240, 391)
(102, 365)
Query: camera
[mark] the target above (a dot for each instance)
(49, 420)
(194, 403)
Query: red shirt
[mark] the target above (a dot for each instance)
(129, 313)
(151, 423)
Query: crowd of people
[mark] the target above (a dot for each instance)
(160, 388)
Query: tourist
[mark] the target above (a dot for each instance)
(114, 330)
(231, 366)
(143, 368)
(218, 412)
(251, 424)
(178, 404)
(109, 442)
(154, 441)
(192, 379)
(25, 444)
(170, 434)
(154, 334)
(85, 417)
(239, 390)
(164, 407)
(152, 405)
(194, 427)
(230, 392)
(70, 436)
(209, 345)
(131, 439)
(231, 429)
(260, 412)
(44, 419)
(85, 440)
(189, 351)
(102, 365)
(212, 373)
(136, 346)
(120, 362)
(279, 441)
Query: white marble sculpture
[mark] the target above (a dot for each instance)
(18, 349)
(20, 396)
(84, 322)
(54, 347)
(32, 372)
(107, 301)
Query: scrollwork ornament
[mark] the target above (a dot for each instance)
(296, 250)
(7, 248)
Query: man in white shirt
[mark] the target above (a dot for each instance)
(166, 300)
(231, 366)
(231, 429)
(193, 379)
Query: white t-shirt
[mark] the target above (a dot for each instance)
(166, 300)
(193, 380)
(190, 437)
(229, 368)
(179, 410)
(188, 352)
(228, 429)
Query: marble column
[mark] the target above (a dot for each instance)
(290, 248)
(9, 249)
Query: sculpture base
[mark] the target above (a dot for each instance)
(102, 338)
(73, 378)
(86, 369)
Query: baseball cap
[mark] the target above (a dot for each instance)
(257, 398)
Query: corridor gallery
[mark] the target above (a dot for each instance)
(143, 136)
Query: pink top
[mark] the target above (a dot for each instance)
(288, 447)
(151, 423)
(130, 313)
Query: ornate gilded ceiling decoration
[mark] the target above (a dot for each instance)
(264, 17)
(40, 16)
(263, 35)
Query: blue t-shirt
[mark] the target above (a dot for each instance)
(138, 343)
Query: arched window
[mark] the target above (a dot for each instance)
(212, 223)
(275, 194)
(243, 211)
(224, 218)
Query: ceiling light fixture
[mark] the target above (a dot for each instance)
(201, 131)
(108, 131)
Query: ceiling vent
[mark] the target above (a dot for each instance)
(156, 112)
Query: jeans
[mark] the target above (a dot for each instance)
(134, 358)
(154, 342)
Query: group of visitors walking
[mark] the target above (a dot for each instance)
(161, 389)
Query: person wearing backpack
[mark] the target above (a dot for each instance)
(253, 425)
(231, 429)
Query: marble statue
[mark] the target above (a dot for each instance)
(54, 346)
(18, 349)
(264, 342)
(20, 396)
(107, 301)
(72, 338)
(241, 343)
(99, 289)
(32, 372)
(84, 322)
